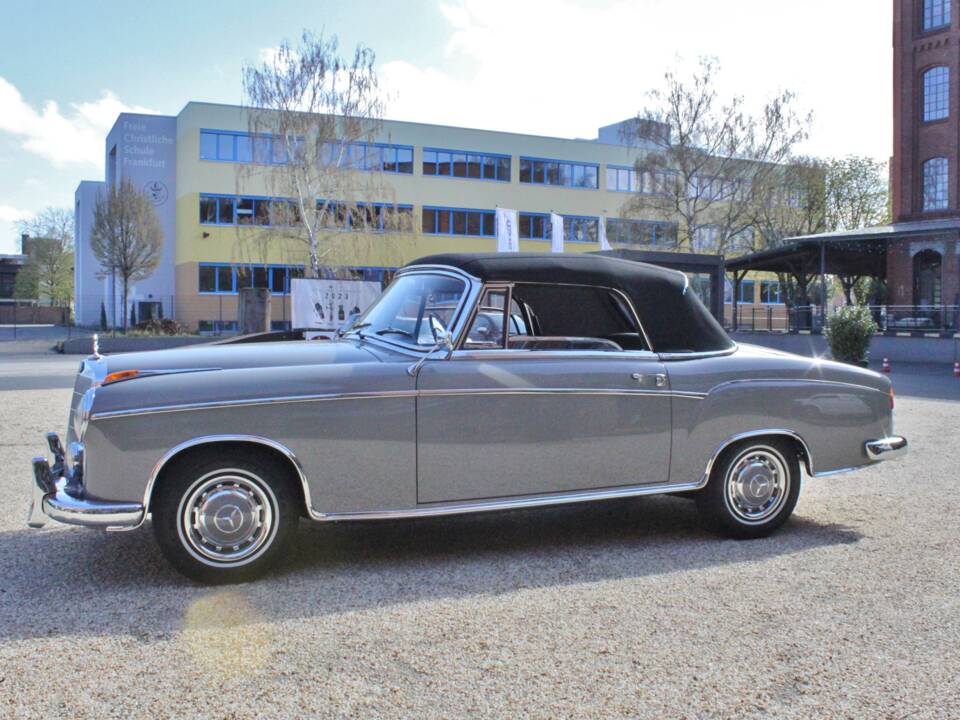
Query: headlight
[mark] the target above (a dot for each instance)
(82, 416)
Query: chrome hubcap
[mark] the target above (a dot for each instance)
(227, 517)
(757, 485)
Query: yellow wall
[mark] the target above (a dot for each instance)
(229, 244)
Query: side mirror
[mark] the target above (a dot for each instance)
(444, 340)
(440, 335)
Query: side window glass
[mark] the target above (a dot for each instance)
(486, 331)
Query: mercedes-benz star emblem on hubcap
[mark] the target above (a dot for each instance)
(228, 518)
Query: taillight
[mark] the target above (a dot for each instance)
(891, 397)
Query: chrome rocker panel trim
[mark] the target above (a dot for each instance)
(888, 448)
(61, 506)
(514, 503)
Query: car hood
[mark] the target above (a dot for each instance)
(245, 355)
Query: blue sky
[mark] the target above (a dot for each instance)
(556, 67)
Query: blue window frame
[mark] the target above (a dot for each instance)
(242, 147)
(746, 292)
(622, 178)
(226, 279)
(264, 211)
(770, 292)
(459, 221)
(466, 164)
(379, 157)
(580, 229)
(622, 231)
(534, 226)
(543, 171)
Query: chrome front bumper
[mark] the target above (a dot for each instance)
(58, 495)
(888, 448)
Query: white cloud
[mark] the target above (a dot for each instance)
(558, 67)
(62, 138)
(12, 215)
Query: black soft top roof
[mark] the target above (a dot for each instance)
(670, 312)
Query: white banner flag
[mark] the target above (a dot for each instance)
(508, 232)
(602, 234)
(328, 304)
(556, 233)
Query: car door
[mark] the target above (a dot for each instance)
(498, 422)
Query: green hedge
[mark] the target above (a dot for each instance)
(848, 332)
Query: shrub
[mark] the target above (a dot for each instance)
(160, 327)
(848, 332)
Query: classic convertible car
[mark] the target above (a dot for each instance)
(611, 381)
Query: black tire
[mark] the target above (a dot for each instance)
(246, 496)
(744, 510)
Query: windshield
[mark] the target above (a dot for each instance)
(403, 312)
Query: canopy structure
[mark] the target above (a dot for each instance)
(848, 255)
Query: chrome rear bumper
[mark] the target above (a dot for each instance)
(57, 494)
(888, 448)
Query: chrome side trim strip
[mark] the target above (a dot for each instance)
(212, 439)
(389, 394)
(213, 404)
(800, 380)
(527, 501)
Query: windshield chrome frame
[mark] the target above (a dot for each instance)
(470, 295)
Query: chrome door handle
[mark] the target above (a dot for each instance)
(659, 379)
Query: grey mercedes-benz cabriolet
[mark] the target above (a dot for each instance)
(476, 382)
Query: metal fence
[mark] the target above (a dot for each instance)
(890, 319)
(209, 314)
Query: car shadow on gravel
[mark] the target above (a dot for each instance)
(68, 581)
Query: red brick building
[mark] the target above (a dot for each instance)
(923, 265)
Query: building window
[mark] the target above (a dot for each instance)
(770, 292)
(371, 157)
(936, 93)
(927, 265)
(706, 238)
(223, 279)
(534, 226)
(278, 212)
(242, 147)
(640, 232)
(577, 228)
(459, 221)
(557, 172)
(463, 164)
(935, 184)
(746, 292)
(621, 178)
(936, 14)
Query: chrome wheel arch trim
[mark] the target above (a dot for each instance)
(766, 432)
(217, 439)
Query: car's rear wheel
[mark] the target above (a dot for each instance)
(222, 518)
(753, 488)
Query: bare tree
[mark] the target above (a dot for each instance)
(702, 159)
(313, 117)
(856, 191)
(126, 237)
(48, 272)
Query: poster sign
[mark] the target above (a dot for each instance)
(328, 304)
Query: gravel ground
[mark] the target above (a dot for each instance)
(621, 609)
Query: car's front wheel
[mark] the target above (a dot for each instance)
(753, 488)
(222, 518)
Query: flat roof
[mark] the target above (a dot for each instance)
(849, 252)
